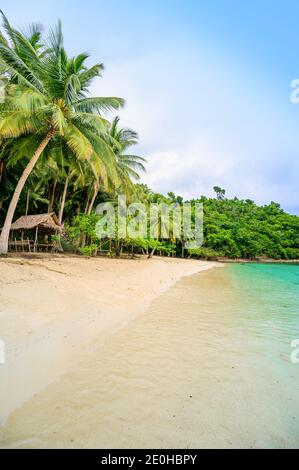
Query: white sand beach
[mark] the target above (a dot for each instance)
(53, 311)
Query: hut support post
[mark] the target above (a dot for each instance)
(35, 241)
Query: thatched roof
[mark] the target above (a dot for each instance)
(44, 221)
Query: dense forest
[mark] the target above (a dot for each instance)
(232, 228)
(63, 151)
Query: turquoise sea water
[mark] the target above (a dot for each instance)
(266, 313)
(268, 296)
(269, 299)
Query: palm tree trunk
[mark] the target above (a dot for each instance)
(95, 193)
(51, 203)
(60, 216)
(14, 201)
(88, 209)
(151, 253)
(27, 202)
(87, 205)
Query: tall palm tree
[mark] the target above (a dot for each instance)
(119, 176)
(128, 166)
(46, 97)
(97, 177)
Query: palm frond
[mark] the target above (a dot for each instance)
(98, 105)
(87, 76)
(55, 39)
(19, 68)
(93, 122)
(17, 123)
(133, 161)
(24, 99)
(21, 149)
(58, 120)
(71, 88)
(78, 61)
(78, 142)
(3, 40)
(8, 29)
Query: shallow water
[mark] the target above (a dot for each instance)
(207, 366)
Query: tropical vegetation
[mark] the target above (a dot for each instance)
(64, 151)
(51, 127)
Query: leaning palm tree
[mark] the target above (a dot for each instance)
(47, 100)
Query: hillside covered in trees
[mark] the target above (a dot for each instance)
(241, 229)
(232, 228)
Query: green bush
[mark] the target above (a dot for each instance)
(89, 250)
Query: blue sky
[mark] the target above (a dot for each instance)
(207, 85)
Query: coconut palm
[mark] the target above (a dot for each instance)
(119, 176)
(128, 166)
(96, 178)
(47, 101)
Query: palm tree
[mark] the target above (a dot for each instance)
(96, 176)
(128, 166)
(46, 97)
(125, 168)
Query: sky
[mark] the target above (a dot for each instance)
(207, 85)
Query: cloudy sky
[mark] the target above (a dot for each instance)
(207, 85)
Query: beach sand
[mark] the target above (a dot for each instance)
(54, 311)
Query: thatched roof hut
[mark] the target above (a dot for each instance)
(45, 222)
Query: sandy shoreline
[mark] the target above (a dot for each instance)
(54, 311)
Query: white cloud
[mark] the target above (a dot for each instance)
(202, 123)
